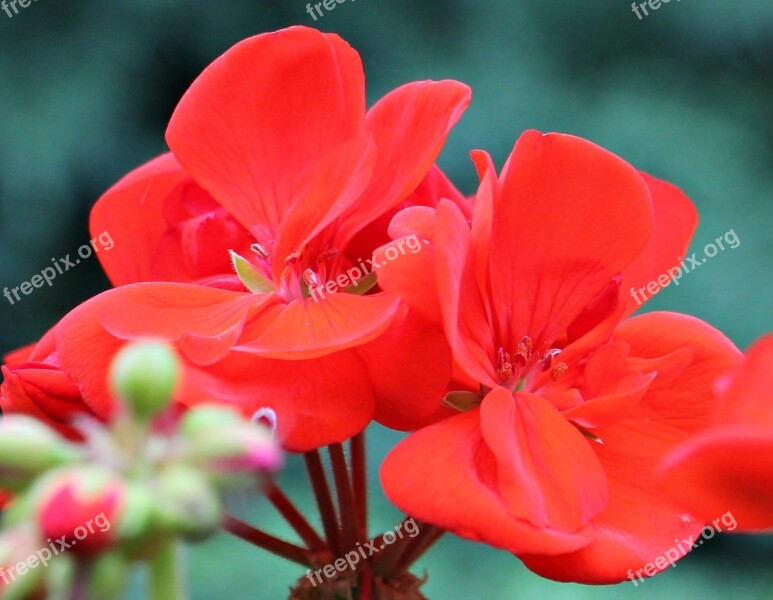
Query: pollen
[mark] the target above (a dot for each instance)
(504, 367)
(558, 370)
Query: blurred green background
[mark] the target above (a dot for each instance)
(87, 86)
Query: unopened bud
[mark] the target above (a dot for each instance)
(28, 448)
(186, 503)
(221, 439)
(144, 375)
(20, 546)
(80, 506)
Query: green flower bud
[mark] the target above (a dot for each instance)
(28, 448)
(186, 503)
(22, 563)
(221, 440)
(144, 375)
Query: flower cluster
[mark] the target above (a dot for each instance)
(544, 419)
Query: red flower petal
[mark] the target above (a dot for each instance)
(261, 113)
(409, 127)
(675, 220)
(132, 213)
(306, 328)
(547, 472)
(569, 217)
(726, 469)
(640, 523)
(730, 466)
(317, 402)
(446, 474)
(409, 367)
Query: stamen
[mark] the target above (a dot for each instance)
(327, 255)
(311, 279)
(260, 251)
(266, 416)
(558, 370)
(523, 352)
(504, 366)
(292, 258)
(547, 358)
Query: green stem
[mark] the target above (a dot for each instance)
(166, 579)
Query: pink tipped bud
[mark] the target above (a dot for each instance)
(220, 439)
(79, 506)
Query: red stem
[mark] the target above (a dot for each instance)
(360, 484)
(293, 516)
(324, 500)
(414, 551)
(256, 537)
(366, 582)
(345, 496)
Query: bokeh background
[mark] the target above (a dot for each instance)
(87, 87)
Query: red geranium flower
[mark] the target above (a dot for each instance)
(729, 467)
(565, 411)
(274, 158)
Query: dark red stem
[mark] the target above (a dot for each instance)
(293, 516)
(428, 535)
(258, 538)
(345, 496)
(324, 500)
(360, 485)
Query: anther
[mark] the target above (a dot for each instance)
(260, 251)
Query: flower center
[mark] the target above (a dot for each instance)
(515, 371)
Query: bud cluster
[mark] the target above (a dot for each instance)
(153, 476)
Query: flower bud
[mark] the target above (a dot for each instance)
(186, 503)
(29, 448)
(144, 375)
(221, 439)
(79, 507)
(22, 564)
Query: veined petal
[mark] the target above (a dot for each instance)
(445, 474)
(309, 327)
(465, 316)
(569, 217)
(409, 127)
(263, 112)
